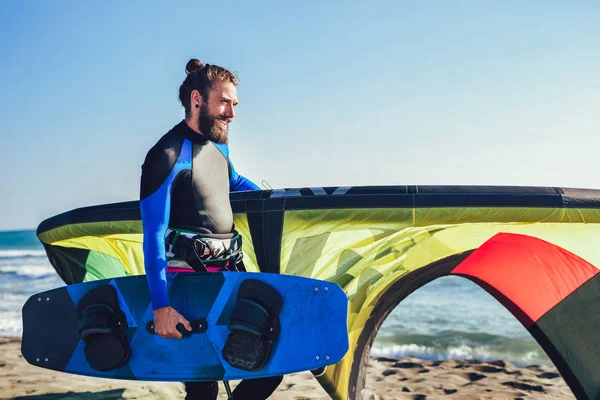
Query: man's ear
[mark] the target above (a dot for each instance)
(196, 98)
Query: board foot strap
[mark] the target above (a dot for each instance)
(254, 325)
(102, 326)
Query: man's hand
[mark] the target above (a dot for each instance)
(165, 323)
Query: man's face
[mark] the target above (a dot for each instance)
(217, 112)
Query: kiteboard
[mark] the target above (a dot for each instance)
(245, 325)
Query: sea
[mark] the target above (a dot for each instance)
(450, 318)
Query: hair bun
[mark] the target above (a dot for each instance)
(193, 65)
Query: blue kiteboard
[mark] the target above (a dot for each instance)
(246, 325)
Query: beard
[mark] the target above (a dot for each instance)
(208, 126)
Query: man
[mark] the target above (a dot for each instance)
(185, 185)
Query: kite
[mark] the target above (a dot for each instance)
(535, 249)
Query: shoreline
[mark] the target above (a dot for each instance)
(387, 378)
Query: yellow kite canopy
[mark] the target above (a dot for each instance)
(533, 249)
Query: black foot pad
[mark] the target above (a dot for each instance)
(102, 326)
(254, 325)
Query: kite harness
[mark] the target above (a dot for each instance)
(202, 251)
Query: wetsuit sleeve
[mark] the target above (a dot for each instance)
(238, 182)
(158, 172)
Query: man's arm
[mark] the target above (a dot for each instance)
(160, 168)
(238, 182)
(155, 204)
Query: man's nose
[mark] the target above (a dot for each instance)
(230, 112)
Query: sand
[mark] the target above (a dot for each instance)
(411, 378)
(407, 378)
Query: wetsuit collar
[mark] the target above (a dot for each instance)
(191, 134)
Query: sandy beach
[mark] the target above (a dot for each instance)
(407, 378)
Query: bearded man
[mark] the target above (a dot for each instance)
(184, 198)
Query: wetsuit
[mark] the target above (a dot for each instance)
(185, 184)
(186, 180)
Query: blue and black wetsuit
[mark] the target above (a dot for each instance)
(186, 180)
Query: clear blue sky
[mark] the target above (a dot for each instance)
(331, 93)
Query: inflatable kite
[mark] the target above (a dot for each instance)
(536, 250)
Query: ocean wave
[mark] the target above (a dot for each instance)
(18, 253)
(464, 352)
(447, 337)
(10, 323)
(30, 271)
(461, 345)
